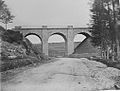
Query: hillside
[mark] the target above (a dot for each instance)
(56, 49)
(18, 52)
(85, 47)
(14, 56)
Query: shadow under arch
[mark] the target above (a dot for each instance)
(85, 34)
(35, 35)
(64, 48)
(82, 33)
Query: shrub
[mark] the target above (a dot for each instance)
(16, 63)
(109, 62)
(12, 36)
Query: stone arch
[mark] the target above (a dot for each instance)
(83, 33)
(35, 35)
(38, 37)
(61, 34)
(65, 39)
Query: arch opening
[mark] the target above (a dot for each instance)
(80, 38)
(35, 40)
(57, 45)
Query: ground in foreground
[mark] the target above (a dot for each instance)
(65, 74)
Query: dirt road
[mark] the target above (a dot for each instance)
(65, 74)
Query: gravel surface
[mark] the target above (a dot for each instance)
(65, 74)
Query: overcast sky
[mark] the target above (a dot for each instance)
(49, 12)
(35, 13)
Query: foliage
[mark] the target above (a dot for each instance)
(12, 36)
(5, 15)
(16, 63)
(103, 26)
(102, 23)
(108, 62)
(14, 56)
(2, 30)
(1, 4)
(13, 52)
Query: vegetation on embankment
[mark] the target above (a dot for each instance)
(109, 63)
(17, 51)
(95, 57)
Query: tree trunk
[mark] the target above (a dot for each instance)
(108, 53)
(118, 47)
(113, 53)
(6, 26)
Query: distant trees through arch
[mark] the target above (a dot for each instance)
(57, 46)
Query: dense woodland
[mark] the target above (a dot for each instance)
(104, 28)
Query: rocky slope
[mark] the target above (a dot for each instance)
(9, 50)
(15, 55)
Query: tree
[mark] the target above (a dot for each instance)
(103, 24)
(5, 15)
(100, 23)
(1, 4)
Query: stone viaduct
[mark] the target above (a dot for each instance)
(45, 32)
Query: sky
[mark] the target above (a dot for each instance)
(53, 13)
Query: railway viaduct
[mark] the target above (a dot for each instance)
(45, 32)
